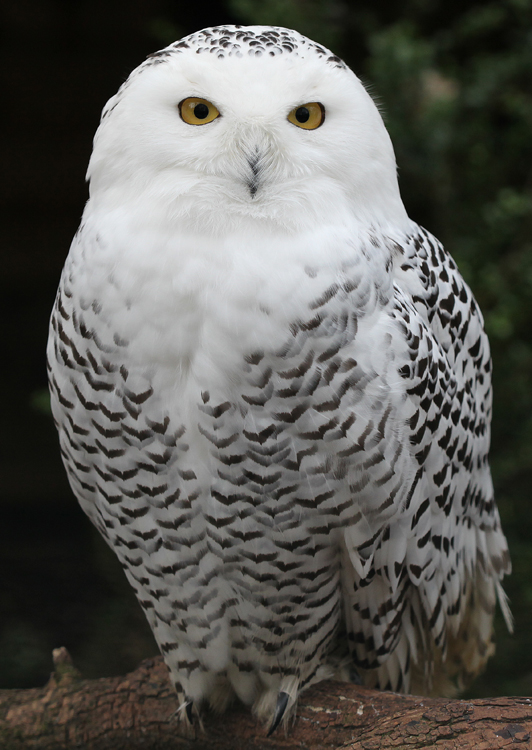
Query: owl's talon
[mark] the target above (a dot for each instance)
(188, 708)
(354, 676)
(282, 703)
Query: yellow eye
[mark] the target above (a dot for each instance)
(196, 111)
(308, 116)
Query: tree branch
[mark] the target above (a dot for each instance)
(136, 711)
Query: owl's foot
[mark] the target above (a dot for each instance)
(277, 702)
(354, 676)
(282, 703)
(222, 695)
(189, 719)
(342, 669)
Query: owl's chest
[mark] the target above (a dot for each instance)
(230, 351)
(189, 316)
(192, 304)
(225, 404)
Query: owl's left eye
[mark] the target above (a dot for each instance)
(196, 111)
(308, 116)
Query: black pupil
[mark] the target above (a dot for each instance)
(302, 114)
(201, 111)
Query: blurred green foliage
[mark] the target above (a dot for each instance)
(40, 401)
(453, 81)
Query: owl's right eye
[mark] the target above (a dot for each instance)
(196, 111)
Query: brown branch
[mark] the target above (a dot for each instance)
(136, 711)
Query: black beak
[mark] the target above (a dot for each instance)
(253, 182)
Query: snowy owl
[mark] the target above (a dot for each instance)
(272, 388)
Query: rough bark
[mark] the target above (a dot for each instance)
(136, 711)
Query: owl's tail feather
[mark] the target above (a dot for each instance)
(469, 646)
(502, 598)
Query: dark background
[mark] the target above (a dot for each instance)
(454, 83)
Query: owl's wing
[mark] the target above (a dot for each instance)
(430, 578)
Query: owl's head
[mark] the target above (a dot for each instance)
(246, 123)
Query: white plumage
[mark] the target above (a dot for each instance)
(272, 388)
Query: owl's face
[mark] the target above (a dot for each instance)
(275, 137)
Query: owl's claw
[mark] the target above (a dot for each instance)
(282, 703)
(354, 676)
(188, 708)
